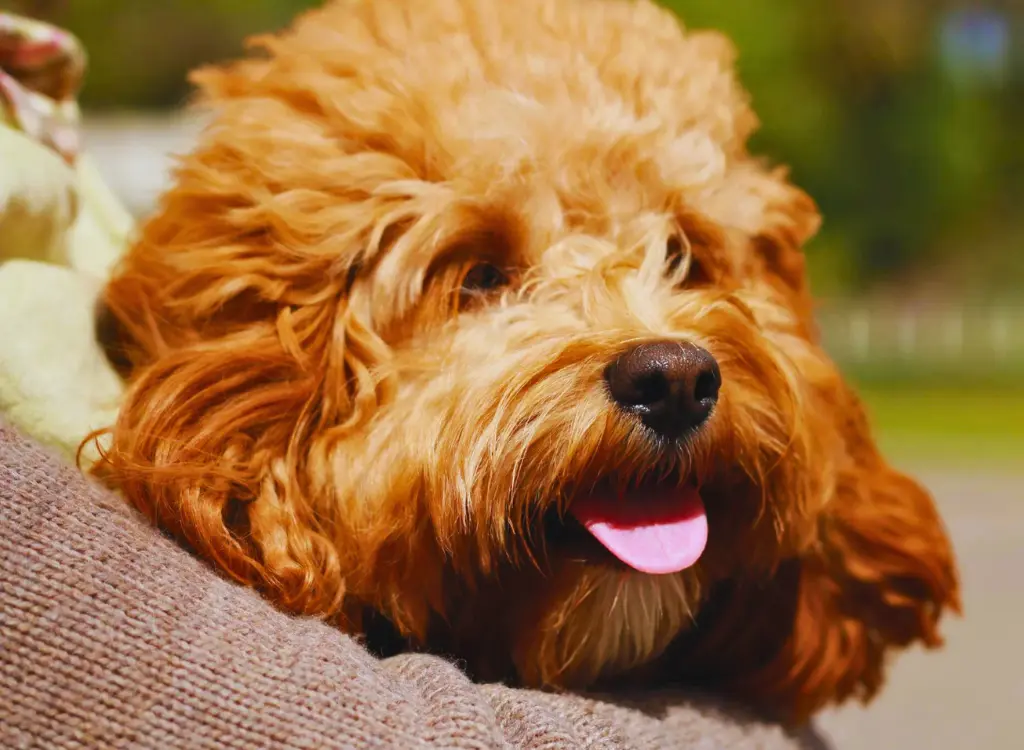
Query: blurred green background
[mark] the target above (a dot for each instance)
(904, 118)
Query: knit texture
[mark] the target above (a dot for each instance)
(113, 637)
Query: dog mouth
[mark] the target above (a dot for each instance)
(658, 528)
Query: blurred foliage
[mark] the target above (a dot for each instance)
(948, 426)
(914, 155)
(140, 51)
(901, 117)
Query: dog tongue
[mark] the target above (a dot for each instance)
(654, 530)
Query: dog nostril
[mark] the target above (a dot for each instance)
(672, 387)
(651, 389)
(706, 388)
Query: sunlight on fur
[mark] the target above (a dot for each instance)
(614, 622)
(392, 332)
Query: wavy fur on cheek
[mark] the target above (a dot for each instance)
(366, 332)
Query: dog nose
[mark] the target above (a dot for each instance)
(672, 387)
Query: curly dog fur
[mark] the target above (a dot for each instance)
(365, 337)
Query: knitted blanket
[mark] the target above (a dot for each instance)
(113, 637)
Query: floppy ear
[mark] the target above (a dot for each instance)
(774, 218)
(205, 441)
(238, 356)
(243, 322)
(879, 578)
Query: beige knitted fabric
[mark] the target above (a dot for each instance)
(113, 637)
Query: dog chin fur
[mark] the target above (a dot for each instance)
(319, 407)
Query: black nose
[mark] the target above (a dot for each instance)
(672, 387)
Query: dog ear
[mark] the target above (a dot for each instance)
(789, 218)
(775, 220)
(878, 579)
(238, 359)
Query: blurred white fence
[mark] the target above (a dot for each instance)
(135, 154)
(941, 332)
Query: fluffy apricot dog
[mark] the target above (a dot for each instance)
(473, 321)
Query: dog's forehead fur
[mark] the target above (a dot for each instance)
(528, 122)
(476, 90)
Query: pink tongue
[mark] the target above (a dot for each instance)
(655, 531)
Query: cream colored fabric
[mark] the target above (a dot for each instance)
(38, 200)
(100, 235)
(57, 213)
(61, 232)
(55, 383)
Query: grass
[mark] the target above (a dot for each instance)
(961, 426)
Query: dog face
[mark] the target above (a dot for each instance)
(483, 318)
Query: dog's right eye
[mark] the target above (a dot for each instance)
(677, 251)
(484, 277)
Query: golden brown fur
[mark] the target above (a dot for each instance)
(317, 409)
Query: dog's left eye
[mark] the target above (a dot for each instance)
(484, 277)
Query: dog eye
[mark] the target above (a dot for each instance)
(676, 252)
(484, 277)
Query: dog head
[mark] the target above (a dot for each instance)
(483, 313)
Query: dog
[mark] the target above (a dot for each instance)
(474, 327)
